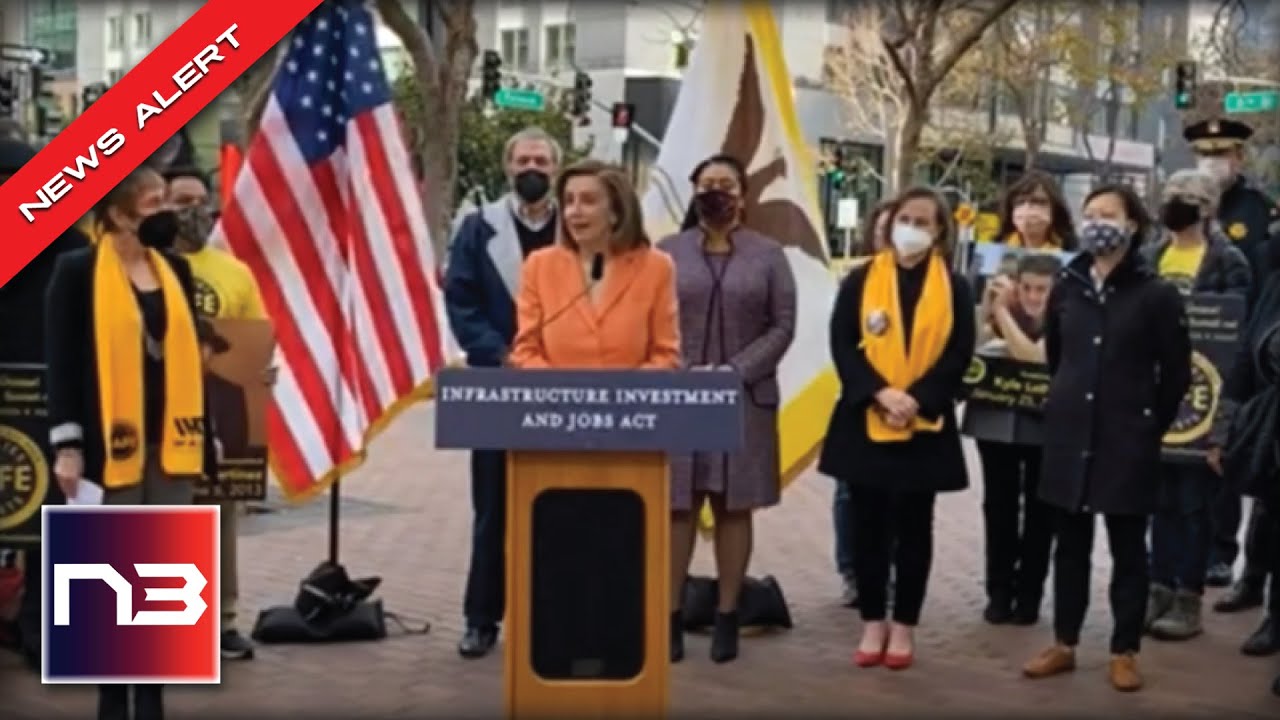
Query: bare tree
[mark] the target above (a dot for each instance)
(1113, 73)
(441, 67)
(1225, 45)
(898, 55)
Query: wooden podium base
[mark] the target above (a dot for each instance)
(588, 600)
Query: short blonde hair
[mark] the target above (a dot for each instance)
(628, 230)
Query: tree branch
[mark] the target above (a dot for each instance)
(969, 38)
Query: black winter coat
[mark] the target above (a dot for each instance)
(929, 462)
(1120, 362)
(22, 305)
(73, 364)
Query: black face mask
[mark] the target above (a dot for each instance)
(159, 230)
(1178, 215)
(532, 185)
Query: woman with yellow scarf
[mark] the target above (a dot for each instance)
(902, 334)
(125, 379)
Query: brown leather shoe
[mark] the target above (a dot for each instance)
(1124, 673)
(1054, 661)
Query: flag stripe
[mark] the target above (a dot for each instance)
(403, 249)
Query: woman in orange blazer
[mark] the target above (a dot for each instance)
(602, 296)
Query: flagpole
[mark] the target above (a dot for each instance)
(335, 505)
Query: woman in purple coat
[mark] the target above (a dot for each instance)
(737, 310)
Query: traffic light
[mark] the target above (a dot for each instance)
(835, 173)
(91, 94)
(49, 118)
(581, 95)
(6, 95)
(623, 115)
(1184, 85)
(491, 74)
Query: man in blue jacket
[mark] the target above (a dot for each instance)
(481, 281)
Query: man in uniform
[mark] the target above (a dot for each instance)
(1252, 221)
(225, 288)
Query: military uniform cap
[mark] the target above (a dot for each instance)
(1217, 134)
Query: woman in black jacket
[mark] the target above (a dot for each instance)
(902, 334)
(125, 378)
(1119, 354)
(1196, 256)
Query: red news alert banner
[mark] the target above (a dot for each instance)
(134, 118)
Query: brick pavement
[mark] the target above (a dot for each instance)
(407, 515)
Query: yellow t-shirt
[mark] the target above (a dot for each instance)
(225, 288)
(1180, 265)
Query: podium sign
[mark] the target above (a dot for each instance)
(597, 410)
(588, 521)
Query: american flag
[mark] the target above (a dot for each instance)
(325, 212)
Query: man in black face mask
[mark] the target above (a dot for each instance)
(22, 341)
(481, 280)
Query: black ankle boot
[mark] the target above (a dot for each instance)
(677, 636)
(724, 637)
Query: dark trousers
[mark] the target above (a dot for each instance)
(113, 702)
(892, 528)
(842, 519)
(1072, 568)
(1181, 529)
(1259, 546)
(1270, 538)
(28, 620)
(484, 601)
(1226, 525)
(1019, 527)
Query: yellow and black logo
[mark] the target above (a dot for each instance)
(1237, 231)
(125, 442)
(24, 478)
(208, 302)
(190, 431)
(1199, 405)
(976, 372)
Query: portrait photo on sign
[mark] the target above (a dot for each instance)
(1014, 297)
(238, 381)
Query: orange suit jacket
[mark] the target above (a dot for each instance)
(633, 323)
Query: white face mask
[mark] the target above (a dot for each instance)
(1217, 167)
(910, 241)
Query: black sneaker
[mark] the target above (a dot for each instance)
(235, 646)
(477, 642)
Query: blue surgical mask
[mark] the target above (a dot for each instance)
(1101, 238)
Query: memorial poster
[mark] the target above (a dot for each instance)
(26, 464)
(238, 381)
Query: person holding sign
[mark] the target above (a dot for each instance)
(1197, 257)
(902, 334)
(1119, 355)
(225, 288)
(125, 379)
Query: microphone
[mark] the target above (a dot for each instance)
(597, 272)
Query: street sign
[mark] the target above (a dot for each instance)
(1249, 102)
(847, 213)
(514, 99)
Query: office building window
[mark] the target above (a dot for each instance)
(142, 29)
(561, 46)
(114, 75)
(115, 33)
(515, 48)
(51, 24)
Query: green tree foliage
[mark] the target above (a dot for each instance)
(484, 133)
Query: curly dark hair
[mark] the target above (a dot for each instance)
(1034, 181)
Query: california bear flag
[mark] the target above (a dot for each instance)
(754, 120)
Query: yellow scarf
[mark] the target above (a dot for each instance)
(118, 339)
(1014, 240)
(885, 344)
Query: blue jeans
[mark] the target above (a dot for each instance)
(1182, 528)
(843, 520)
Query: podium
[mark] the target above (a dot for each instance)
(588, 521)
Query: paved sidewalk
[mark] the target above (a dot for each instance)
(406, 517)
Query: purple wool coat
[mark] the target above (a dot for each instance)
(749, 324)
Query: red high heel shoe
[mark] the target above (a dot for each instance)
(866, 659)
(899, 662)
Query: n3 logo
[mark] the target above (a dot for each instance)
(188, 594)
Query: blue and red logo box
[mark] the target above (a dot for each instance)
(131, 595)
